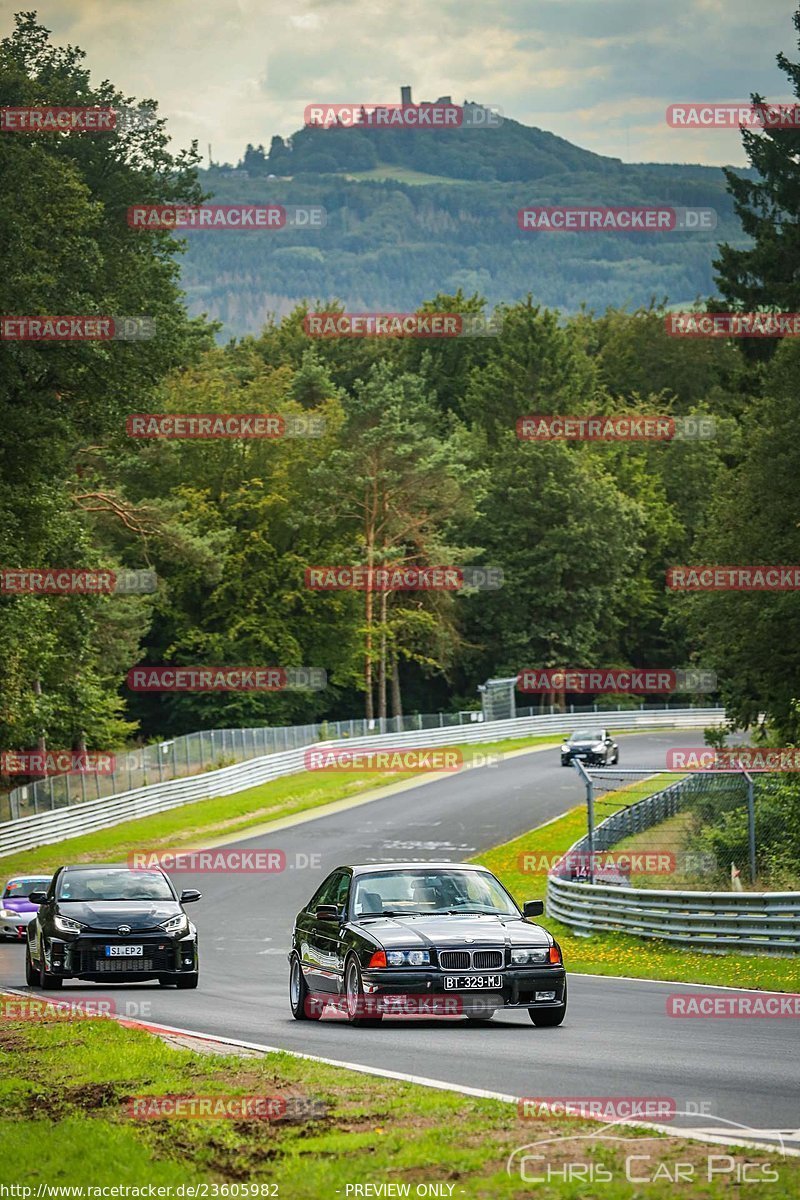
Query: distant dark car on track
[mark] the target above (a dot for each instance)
(16, 910)
(111, 924)
(448, 932)
(594, 747)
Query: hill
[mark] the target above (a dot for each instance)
(411, 213)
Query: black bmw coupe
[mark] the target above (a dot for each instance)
(423, 938)
(111, 924)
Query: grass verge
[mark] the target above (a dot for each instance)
(191, 825)
(619, 953)
(65, 1120)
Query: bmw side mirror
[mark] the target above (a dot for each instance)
(533, 908)
(37, 897)
(327, 912)
(189, 895)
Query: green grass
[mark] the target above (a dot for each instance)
(64, 1120)
(619, 953)
(190, 825)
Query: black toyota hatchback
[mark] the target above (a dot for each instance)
(111, 924)
(422, 938)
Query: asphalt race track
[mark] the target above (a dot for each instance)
(616, 1041)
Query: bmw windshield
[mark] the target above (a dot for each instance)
(411, 892)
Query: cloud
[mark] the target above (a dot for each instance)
(231, 72)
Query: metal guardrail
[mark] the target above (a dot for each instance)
(209, 749)
(63, 823)
(762, 921)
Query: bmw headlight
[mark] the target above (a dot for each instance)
(522, 958)
(67, 925)
(178, 924)
(564, 748)
(598, 746)
(411, 958)
(5, 915)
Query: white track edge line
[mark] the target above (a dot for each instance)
(437, 1084)
(717, 987)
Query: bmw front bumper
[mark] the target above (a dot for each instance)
(518, 989)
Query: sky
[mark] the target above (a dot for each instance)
(597, 72)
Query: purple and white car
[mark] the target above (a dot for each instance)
(16, 910)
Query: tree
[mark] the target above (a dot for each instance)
(751, 639)
(399, 475)
(767, 275)
(69, 250)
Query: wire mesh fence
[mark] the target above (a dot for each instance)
(211, 749)
(706, 831)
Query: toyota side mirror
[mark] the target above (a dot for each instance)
(327, 912)
(189, 895)
(533, 908)
(37, 897)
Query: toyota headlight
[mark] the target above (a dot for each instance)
(411, 958)
(5, 915)
(178, 924)
(522, 958)
(67, 925)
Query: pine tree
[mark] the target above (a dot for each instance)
(768, 274)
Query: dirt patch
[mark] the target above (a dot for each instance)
(13, 1043)
(235, 1154)
(89, 1097)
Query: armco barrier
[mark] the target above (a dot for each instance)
(61, 824)
(759, 921)
(212, 749)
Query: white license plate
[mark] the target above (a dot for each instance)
(469, 983)
(124, 951)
